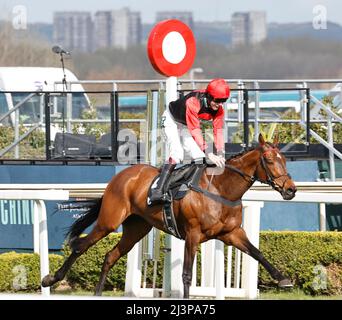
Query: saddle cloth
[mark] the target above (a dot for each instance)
(177, 188)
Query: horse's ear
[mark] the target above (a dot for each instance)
(261, 139)
(276, 140)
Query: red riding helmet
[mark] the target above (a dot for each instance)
(218, 89)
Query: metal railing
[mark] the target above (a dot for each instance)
(17, 137)
(243, 87)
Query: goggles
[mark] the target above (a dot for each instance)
(220, 100)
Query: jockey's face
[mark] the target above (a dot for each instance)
(215, 104)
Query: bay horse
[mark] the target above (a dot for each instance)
(198, 217)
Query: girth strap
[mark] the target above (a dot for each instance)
(215, 197)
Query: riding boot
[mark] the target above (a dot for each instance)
(158, 192)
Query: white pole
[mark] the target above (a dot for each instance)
(207, 262)
(251, 225)
(176, 266)
(35, 227)
(43, 244)
(174, 259)
(171, 90)
(133, 271)
(229, 267)
(219, 269)
(322, 217)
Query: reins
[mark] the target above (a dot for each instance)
(242, 174)
(270, 178)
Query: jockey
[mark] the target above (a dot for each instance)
(181, 126)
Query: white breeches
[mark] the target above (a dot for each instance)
(178, 139)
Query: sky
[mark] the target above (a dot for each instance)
(281, 11)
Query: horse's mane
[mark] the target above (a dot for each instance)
(240, 154)
(246, 150)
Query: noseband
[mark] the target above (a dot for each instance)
(270, 178)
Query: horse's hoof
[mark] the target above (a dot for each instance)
(285, 284)
(48, 281)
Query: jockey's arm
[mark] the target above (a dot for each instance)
(193, 122)
(218, 123)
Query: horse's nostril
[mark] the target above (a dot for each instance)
(291, 190)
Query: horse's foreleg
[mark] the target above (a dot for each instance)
(191, 245)
(134, 228)
(83, 244)
(238, 239)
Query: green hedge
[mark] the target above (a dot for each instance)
(302, 256)
(86, 271)
(312, 260)
(21, 271)
(307, 258)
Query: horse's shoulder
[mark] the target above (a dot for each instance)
(144, 168)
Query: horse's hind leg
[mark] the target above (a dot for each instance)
(238, 239)
(82, 245)
(134, 228)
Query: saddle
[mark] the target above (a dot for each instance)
(176, 188)
(182, 180)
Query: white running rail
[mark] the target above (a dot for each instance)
(40, 231)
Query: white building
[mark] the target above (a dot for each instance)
(102, 29)
(73, 30)
(118, 28)
(248, 28)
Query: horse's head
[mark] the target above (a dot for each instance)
(272, 169)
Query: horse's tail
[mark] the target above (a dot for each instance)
(90, 216)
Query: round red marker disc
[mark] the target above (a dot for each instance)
(171, 48)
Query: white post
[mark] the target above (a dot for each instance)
(251, 225)
(133, 272)
(35, 227)
(219, 269)
(237, 268)
(229, 266)
(177, 261)
(207, 263)
(322, 217)
(172, 287)
(171, 90)
(43, 244)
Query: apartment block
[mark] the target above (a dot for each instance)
(248, 28)
(117, 28)
(76, 31)
(73, 30)
(102, 29)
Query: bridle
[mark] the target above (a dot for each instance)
(270, 178)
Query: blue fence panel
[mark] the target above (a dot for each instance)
(293, 216)
(16, 218)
